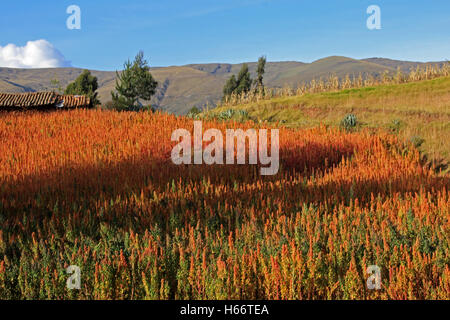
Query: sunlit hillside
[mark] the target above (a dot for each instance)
(418, 112)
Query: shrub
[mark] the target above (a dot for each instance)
(148, 108)
(112, 105)
(349, 122)
(395, 125)
(194, 113)
(417, 141)
(226, 115)
(243, 113)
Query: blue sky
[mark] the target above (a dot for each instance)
(179, 32)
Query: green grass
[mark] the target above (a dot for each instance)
(411, 110)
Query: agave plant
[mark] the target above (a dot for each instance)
(226, 115)
(349, 122)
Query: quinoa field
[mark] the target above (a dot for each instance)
(98, 190)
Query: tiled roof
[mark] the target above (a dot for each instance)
(28, 100)
(42, 99)
(75, 101)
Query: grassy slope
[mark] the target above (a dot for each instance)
(422, 108)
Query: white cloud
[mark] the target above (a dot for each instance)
(35, 54)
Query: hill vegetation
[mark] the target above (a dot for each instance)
(416, 111)
(182, 87)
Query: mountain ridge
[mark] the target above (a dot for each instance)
(182, 87)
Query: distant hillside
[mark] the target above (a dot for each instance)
(405, 66)
(182, 87)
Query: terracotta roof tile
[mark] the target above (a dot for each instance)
(41, 99)
(71, 101)
(27, 100)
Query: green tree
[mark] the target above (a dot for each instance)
(244, 80)
(230, 86)
(260, 70)
(86, 84)
(56, 85)
(239, 85)
(135, 82)
(194, 113)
